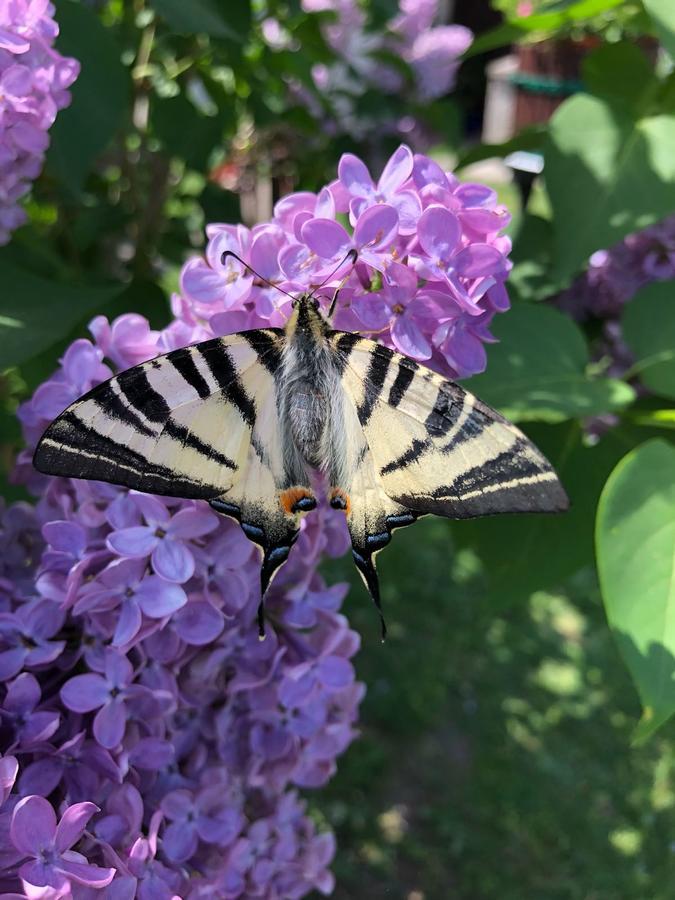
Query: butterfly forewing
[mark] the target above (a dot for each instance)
(437, 448)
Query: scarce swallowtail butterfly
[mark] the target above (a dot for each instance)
(246, 421)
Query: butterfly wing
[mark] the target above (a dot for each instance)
(199, 422)
(429, 446)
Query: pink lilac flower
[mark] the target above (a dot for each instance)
(36, 834)
(434, 56)
(356, 180)
(34, 79)
(132, 669)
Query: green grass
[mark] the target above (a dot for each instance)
(495, 757)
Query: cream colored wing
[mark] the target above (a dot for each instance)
(437, 448)
(178, 425)
(371, 514)
(199, 422)
(420, 444)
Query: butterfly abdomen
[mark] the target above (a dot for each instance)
(309, 394)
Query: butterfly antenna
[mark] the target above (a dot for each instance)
(253, 272)
(351, 254)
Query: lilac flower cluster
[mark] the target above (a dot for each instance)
(133, 677)
(432, 52)
(430, 269)
(612, 279)
(153, 744)
(34, 82)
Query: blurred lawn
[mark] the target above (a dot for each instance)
(495, 757)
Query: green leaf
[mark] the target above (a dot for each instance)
(530, 139)
(537, 371)
(101, 96)
(619, 73)
(525, 553)
(213, 17)
(649, 331)
(635, 542)
(655, 418)
(543, 24)
(532, 257)
(607, 174)
(185, 131)
(662, 14)
(36, 313)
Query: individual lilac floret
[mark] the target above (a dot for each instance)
(163, 538)
(19, 712)
(107, 693)
(34, 79)
(36, 834)
(125, 586)
(355, 178)
(26, 637)
(200, 817)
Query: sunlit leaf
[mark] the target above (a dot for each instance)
(662, 13)
(635, 540)
(608, 173)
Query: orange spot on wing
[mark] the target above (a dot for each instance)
(291, 496)
(339, 499)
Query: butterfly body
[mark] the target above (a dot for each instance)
(246, 422)
(309, 396)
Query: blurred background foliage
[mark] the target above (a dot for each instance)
(499, 752)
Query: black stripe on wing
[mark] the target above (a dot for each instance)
(109, 402)
(225, 373)
(404, 378)
(267, 344)
(343, 343)
(187, 438)
(73, 449)
(183, 362)
(411, 455)
(507, 468)
(373, 383)
(446, 410)
(142, 396)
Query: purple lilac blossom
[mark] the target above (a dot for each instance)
(34, 82)
(133, 673)
(433, 53)
(612, 279)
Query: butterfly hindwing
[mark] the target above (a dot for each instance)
(371, 514)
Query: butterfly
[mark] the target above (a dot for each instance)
(246, 421)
